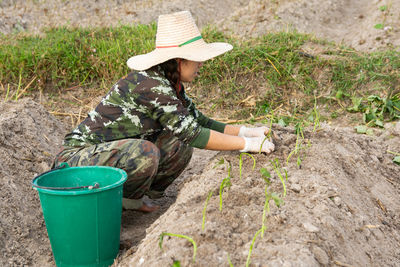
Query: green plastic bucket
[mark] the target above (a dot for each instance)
(82, 209)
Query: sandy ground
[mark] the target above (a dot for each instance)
(342, 206)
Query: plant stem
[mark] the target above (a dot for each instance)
(180, 236)
(394, 153)
(19, 85)
(241, 163)
(251, 247)
(265, 210)
(204, 210)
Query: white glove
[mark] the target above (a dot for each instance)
(253, 132)
(253, 144)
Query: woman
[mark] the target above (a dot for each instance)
(146, 124)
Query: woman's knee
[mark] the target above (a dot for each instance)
(142, 158)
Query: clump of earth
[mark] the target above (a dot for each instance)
(341, 208)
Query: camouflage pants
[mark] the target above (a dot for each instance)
(151, 167)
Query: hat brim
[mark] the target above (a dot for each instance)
(194, 52)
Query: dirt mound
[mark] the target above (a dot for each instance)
(363, 24)
(28, 142)
(342, 208)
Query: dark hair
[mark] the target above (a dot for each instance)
(171, 72)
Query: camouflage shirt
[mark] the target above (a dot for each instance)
(142, 105)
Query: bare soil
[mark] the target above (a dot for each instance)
(342, 205)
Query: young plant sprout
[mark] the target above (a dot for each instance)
(269, 134)
(268, 196)
(277, 169)
(220, 162)
(180, 236)
(176, 263)
(241, 163)
(251, 247)
(204, 210)
(299, 142)
(225, 183)
(229, 261)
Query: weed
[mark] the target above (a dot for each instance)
(377, 109)
(204, 210)
(241, 162)
(316, 116)
(180, 236)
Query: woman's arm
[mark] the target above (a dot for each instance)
(232, 129)
(220, 141)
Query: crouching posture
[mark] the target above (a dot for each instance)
(148, 126)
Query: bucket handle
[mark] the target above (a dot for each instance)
(62, 166)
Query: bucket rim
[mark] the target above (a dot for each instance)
(118, 183)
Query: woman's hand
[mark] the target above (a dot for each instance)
(258, 144)
(253, 132)
(219, 141)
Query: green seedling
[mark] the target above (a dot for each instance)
(204, 210)
(396, 158)
(278, 202)
(219, 163)
(251, 247)
(266, 175)
(225, 183)
(176, 263)
(180, 236)
(229, 261)
(383, 8)
(241, 163)
(299, 144)
(277, 169)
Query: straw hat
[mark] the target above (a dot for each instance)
(178, 37)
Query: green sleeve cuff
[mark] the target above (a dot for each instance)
(201, 139)
(210, 123)
(217, 126)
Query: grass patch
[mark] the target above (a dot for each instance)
(270, 74)
(67, 57)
